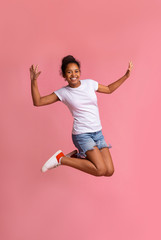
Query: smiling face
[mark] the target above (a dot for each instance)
(72, 75)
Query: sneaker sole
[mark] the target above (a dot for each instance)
(44, 167)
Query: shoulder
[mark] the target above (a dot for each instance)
(61, 92)
(62, 89)
(88, 80)
(91, 83)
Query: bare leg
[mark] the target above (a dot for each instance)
(108, 161)
(72, 154)
(94, 164)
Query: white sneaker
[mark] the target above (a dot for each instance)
(53, 162)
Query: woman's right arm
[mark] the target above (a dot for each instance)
(37, 99)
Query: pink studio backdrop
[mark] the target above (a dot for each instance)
(65, 203)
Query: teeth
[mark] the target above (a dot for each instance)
(73, 78)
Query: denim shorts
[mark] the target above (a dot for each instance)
(86, 141)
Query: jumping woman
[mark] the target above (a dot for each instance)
(93, 156)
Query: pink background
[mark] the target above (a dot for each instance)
(65, 203)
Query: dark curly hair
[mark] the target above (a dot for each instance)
(66, 60)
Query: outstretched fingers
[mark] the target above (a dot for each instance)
(34, 72)
(130, 66)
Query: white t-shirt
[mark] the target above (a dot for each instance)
(82, 103)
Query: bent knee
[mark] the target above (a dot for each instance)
(101, 172)
(109, 172)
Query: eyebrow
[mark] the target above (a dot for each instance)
(71, 69)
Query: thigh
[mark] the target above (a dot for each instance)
(107, 160)
(95, 156)
(100, 140)
(83, 143)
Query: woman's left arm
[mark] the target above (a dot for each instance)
(113, 86)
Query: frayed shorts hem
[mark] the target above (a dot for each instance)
(87, 141)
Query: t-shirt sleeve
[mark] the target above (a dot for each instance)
(59, 93)
(94, 84)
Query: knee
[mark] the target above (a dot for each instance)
(109, 172)
(101, 172)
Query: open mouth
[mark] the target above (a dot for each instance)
(73, 79)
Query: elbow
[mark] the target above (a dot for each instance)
(109, 90)
(36, 104)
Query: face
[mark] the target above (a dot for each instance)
(72, 75)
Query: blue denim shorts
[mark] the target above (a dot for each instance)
(86, 141)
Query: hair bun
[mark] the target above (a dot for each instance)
(68, 59)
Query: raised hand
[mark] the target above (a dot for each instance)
(129, 69)
(34, 74)
(130, 66)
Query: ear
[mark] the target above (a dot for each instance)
(63, 75)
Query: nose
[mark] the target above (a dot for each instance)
(73, 75)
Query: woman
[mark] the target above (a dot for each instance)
(80, 98)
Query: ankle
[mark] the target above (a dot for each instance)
(63, 160)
